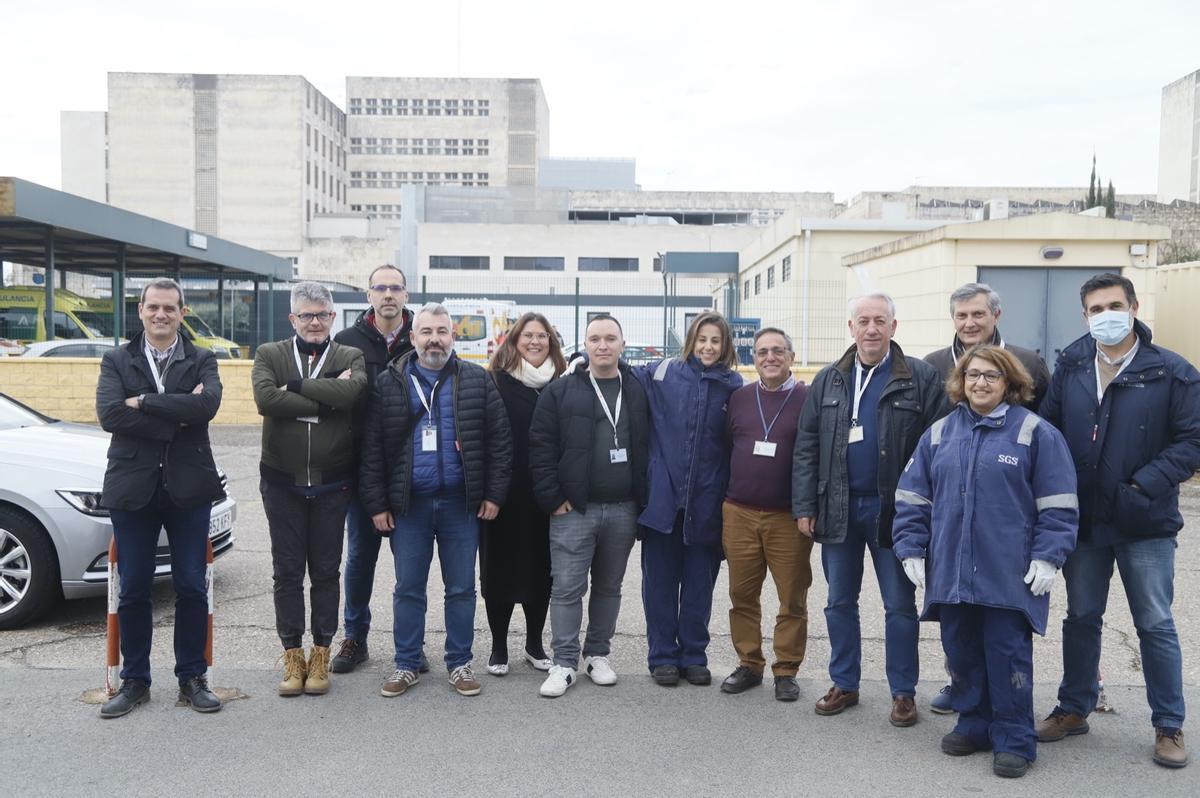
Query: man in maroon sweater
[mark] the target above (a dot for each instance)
(758, 531)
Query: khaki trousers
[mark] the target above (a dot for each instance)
(755, 541)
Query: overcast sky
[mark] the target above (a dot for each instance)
(791, 96)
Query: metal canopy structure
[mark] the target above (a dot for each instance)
(57, 231)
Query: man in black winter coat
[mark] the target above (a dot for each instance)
(382, 335)
(156, 396)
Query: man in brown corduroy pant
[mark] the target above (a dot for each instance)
(759, 532)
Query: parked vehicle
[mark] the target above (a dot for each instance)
(54, 534)
(480, 325)
(92, 347)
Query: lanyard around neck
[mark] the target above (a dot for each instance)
(758, 397)
(860, 385)
(300, 364)
(613, 418)
(426, 403)
(152, 357)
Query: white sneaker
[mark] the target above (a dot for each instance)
(600, 671)
(557, 682)
(538, 664)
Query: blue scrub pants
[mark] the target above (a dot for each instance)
(677, 592)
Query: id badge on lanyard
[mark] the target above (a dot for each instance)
(856, 429)
(617, 454)
(429, 436)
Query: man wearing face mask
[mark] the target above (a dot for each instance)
(1130, 411)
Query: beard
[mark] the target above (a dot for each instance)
(433, 358)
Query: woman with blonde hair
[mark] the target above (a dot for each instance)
(688, 474)
(986, 514)
(514, 552)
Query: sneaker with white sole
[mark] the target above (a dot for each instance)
(558, 681)
(463, 680)
(600, 671)
(400, 680)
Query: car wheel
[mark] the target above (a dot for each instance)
(29, 576)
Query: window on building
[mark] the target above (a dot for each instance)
(745, 289)
(608, 264)
(451, 107)
(770, 277)
(483, 107)
(356, 208)
(461, 262)
(468, 146)
(433, 146)
(534, 264)
(657, 265)
(433, 108)
(451, 147)
(418, 108)
(482, 148)
(787, 269)
(307, 135)
(757, 284)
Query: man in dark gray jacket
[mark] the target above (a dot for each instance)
(863, 418)
(975, 311)
(156, 396)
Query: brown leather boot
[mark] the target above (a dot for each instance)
(1168, 748)
(836, 700)
(1059, 724)
(294, 672)
(317, 681)
(904, 711)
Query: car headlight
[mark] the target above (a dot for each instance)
(85, 501)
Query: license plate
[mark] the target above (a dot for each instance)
(220, 523)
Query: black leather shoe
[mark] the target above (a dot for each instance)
(786, 688)
(132, 693)
(956, 744)
(697, 674)
(741, 680)
(665, 675)
(195, 693)
(1010, 766)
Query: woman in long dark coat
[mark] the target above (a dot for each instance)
(514, 552)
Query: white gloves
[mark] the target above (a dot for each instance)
(1040, 577)
(914, 569)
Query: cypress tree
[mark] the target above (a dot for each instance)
(1110, 202)
(1091, 195)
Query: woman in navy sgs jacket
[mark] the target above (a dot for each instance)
(987, 509)
(688, 473)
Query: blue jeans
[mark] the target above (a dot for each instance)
(446, 520)
(1148, 573)
(137, 533)
(677, 593)
(989, 651)
(362, 553)
(843, 566)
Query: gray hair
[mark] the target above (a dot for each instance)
(432, 308)
(852, 305)
(975, 289)
(309, 291)
(165, 283)
(774, 331)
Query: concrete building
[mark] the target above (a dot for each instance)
(588, 174)
(791, 276)
(1179, 141)
(1036, 263)
(1176, 290)
(251, 158)
(441, 131)
(84, 153)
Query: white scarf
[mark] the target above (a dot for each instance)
(535, 377)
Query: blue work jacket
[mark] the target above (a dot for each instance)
(981, 497)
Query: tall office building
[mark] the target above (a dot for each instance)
(472, 132)
(1179, 141)
(250, 158)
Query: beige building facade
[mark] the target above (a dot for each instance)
(1177, 287)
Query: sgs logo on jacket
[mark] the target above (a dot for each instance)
(1008, 459)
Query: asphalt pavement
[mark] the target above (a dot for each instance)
(633, 738)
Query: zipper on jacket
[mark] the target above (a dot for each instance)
(458, 436)
(701, 405)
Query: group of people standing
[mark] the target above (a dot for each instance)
(550, 471)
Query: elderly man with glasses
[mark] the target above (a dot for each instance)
(306, 388)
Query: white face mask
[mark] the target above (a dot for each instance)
(1111, 327)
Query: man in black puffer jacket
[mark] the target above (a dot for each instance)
(437, 452)
(382, 335)
(588, 450)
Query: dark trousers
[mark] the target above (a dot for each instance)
(990, 653)
(677, 591)
(137, 534)
(362, 553)
(306, 532)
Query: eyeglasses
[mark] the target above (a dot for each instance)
(990, 377)
(532, 336)
(323, 317)
(383, 288)
(777, 351)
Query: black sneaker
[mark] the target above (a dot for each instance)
(195, 693)
(352, 654)
(697, 674)
(132, 693)
(741, 680)
(665, 675)
(786, 688)
(1009, 766)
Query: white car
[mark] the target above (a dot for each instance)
(54, 534)
(74, 347)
